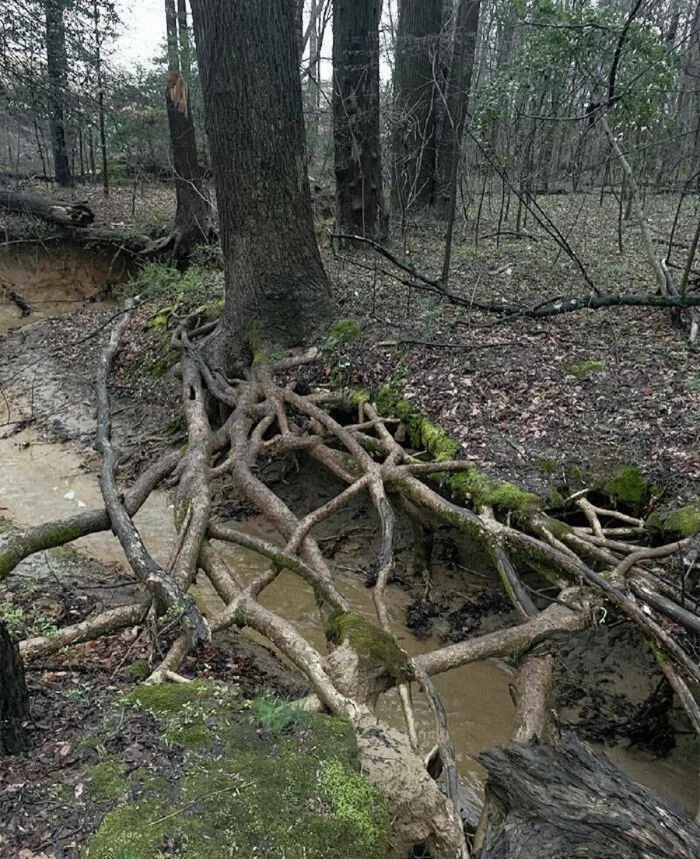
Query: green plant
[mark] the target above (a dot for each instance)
(275, 714)
(13, 617)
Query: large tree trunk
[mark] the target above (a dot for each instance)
(358, 165)
(14, 702)
(416, 76)
(56, 67)
(193, 215)
(277, 294)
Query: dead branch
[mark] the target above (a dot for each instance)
(166, 591)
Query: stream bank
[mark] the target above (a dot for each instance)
(78, 420)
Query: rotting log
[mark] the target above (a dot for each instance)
(67, 214)
(572, 802)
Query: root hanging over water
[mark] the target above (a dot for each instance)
(265, 417)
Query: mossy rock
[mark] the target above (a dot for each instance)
(676, 524)
(628, 486)
(297, 793)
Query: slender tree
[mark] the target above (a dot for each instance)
(456, 100)
(358, 166)
(277, 294)
(14, 699)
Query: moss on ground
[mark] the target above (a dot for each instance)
(676, 524)
(583, 369)
(106, 779)
(627, 486)
(297, 792)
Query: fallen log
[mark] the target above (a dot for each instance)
(572, 802)
(76, 214)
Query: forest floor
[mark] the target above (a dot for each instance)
(548, 404)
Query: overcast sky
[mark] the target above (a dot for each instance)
(144, 22)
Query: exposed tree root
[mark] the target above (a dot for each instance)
(265, 417)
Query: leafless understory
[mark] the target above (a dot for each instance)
(598, 570)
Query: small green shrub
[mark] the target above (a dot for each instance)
(275, 714)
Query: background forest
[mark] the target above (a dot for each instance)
(483, 219)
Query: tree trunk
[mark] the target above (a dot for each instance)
(63, 213)
(416, 76)
(358, 165)
(457, 95)
(277, 294)
(193, 224)
(56, 68)
(14, 700)
(574, 803)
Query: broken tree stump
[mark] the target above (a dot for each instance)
(572, 802)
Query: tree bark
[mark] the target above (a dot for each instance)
(358, 165)
(574, 803)
(14, 700)
(277, 294)
(416, 74)
(56, 67)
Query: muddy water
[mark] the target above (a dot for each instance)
(52, 281)
(41, 481)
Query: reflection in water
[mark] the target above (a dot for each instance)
(41, 481)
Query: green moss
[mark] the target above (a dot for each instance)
(190, 736)
(548, 466)
(627, 486)
(506, 496)
(481, 490)
(356, 801)
(139, 669)
(163, 699)
(676, 524)
(583, 369)
(276, 714)
(386, 399)
(359, 395)
(342, 331)
(181, 513)
(105, 780)
(376, 648)
(555, 498)
(297, 794)
(559, 529)
(129, 832)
